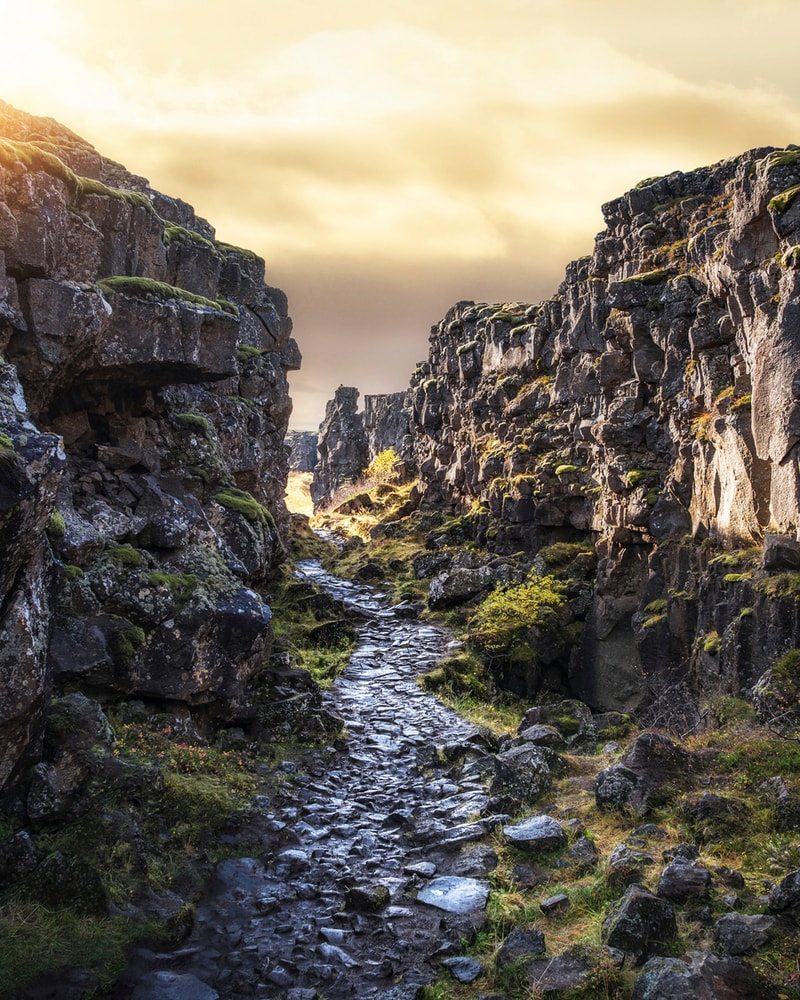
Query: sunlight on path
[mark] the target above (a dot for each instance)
(298, 497)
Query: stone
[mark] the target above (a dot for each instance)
(683, 880)
(653, 763)
(172, 986)
(520, 944)
(455, 894)
(19, 856)
(342, 448)
(738, 934)
(700, 974)
(367, 898)
(523, 771)
(551, 977)
(456, 586)
(640, 924)
(583, 853)
(555, 906)
(572, 719)
(464, 970)
(538, 833)
(786, 895)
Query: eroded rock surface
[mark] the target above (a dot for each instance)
(143, 408)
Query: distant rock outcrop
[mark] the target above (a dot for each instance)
(143, 408)
(349, 440)
(342, 446)
(303, 450)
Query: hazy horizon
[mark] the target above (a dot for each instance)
(390, 158)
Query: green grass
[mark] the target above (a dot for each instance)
(37, 940)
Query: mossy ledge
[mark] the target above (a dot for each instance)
(141, 287)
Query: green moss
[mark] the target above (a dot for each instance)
(711, 643)
(649, 277)
(791, 257)
(246, 504)
(563, 470)
(742, 403)
(72, 572)
(127, 643)
(229, 248)
(179, 234)
(126, 555)
(466, 348)
(504, 620)
(636, 476)
(136, 199)
(783, 158)
(245, 352)
(56, 527)
(195, 422)
(654, 620)
(6, 442)
(745, 613)
(782, 202)
(736, 577)
(181, 585)
(139, 287)
(561, 553)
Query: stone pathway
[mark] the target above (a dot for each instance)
(330, 908)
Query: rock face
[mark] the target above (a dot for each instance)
(349, 440)
(651, 404)
(143, 408)
(342, 446)
(386, 422)
(302, 450)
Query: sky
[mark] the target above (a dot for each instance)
(388, 158)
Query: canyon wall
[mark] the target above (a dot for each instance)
(143, 409)
(348, 440)
(652, 408)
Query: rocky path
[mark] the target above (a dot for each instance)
(367, 870)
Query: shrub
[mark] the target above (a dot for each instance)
(381, 468)
(503, 622)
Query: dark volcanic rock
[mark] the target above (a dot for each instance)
(700, 974)
(640, 924)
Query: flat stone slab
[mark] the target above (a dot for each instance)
(455, 895)
(538, 833)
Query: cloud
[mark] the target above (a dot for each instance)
(388, 157)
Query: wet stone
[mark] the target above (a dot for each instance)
(463, 969)
(539, 833)
(455, 894)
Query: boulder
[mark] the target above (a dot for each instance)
(539, 833)
(640, 924)
(520, 944)
(683, 880)
(738, 933)
(457, 586)
(523, 771)
(700, 974)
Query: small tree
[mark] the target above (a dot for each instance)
(381, 468)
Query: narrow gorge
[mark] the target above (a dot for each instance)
(519, 720)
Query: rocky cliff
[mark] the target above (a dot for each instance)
(143, 408)
(349, 440)
(650, 408)
(302, 450)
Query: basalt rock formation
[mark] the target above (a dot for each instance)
(349, 440)
(143, 409)
(651, 408)
(303, 450)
